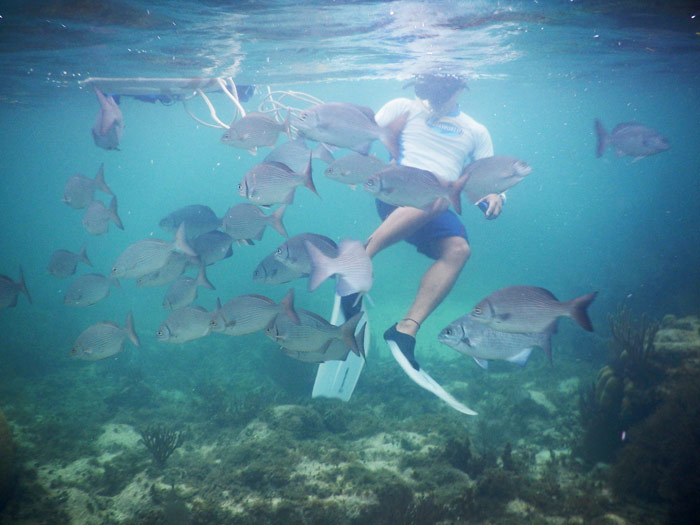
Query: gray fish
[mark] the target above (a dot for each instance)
(313, 333)
(109, 124)
(493, 175)
(529, 309)
(9, 290)
(185, 324)
(269, 183)
(198, 219)
(89, 289)
(174, 267)
(63, 263)
(273, 271)
(354, 169)
(253, 131)
(212, 247)
(97, 217)
(474, 339)
(246, 314)
(184, 290)
(348, 126)
(79, 191)
(295, 154)
(630, 138)
(246, 222)
(293, 252)
(337, 350)
(352, 267)
(103, 340)
(406, 186)
(148, 255)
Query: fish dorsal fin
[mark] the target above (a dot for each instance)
(315, 316)
(261, 297)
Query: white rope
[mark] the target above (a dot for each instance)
(212, 111)
(184, 104)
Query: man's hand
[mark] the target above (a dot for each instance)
(495, 205)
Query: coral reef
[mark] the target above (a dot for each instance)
(6, 459)
(624, 392)
(161, 442)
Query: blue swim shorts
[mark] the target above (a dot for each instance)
(447, 224)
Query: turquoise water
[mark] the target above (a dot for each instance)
(538, 76)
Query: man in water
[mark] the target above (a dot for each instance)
(437, 137)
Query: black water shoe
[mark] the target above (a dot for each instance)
(405, 343)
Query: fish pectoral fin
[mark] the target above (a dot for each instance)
(522, 357)
(502, 317)
(466, 341)
(483, 363)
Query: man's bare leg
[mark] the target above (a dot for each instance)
(436, 283)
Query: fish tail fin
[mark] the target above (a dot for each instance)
(286, 127)
(130, 329)
(202, 279)
(308, 180)
(100, 180)
(23, 286)
(347, 330)
(322, 152)
(83, 256)
(602, 138)
(287, 304)
(114, 214)
(180, 242)
(276, 220)
(321, 266)
(391, 134)
(577, 310)
(456, 192)
(360, 340)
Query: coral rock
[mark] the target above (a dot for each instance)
(6, 458)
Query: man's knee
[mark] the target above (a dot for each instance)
(456, 250)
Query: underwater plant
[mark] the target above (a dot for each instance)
(161, 442)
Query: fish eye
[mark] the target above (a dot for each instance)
(477, 310)
(213, 323)
(159, 333)
(240, 186)
(448, 331)
(278, 251)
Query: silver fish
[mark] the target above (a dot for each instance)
(313, 333)
(337, 350)
(253, 131)
(354, 169)
(79, 191)
(493, 175)
(273, 271)
(198, 219)
(103, 340)
(352, 268)
(295, 154)
(630, 138)
(474, 339)
(269, 183)
(185, 324)
(212, 247)
(529, 309)
(184, 290)
(109, 124)
(293, 252)
(148, 255)
(406, 186)
(97, 217)
(348, 126)
(63, 263)
(9, 290)
(246, 314)
(246, 222)
(89, 289)
(174, 267)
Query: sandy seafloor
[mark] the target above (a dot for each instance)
(393, 454)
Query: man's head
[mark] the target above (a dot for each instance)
(438, 88)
